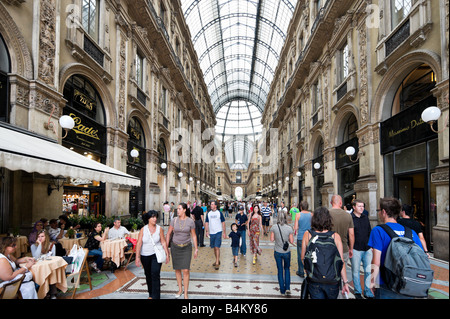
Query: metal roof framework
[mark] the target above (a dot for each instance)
(238, 43)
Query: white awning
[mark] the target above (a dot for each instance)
(20, 150)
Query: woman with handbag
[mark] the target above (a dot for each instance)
(281, 233)
(183, 230)
(151, 252)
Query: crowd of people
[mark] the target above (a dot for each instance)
(346, 231)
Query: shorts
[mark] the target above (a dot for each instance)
(235, 250)
(266, 220)
(215, 240)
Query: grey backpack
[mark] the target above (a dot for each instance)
(406, 268)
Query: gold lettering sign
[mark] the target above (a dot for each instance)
(82, 129)
(413, 125)
(84, 99)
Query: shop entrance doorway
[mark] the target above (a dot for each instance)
(411, 189)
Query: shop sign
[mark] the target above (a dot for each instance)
(86, 133)
(405, 129)
(85, 100)
(80, 181)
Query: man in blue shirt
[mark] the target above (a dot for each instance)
(379, 240)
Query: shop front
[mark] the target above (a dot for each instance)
(136, 165)
(410, 150)
(88, 138)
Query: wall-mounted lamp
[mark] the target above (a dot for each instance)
(350, 151)
(287, 178)
(318, 167)
(180, 174)
(191, 179)
(57, 183)
(163, 165)
(66, 122)
(430, 115)
(133, 153)
(298, 174)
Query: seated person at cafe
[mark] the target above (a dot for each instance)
(10, 269)
(43, 245)
(32, 237)
(55, 234)
(93, 244)
(63, 220)
(117, 231)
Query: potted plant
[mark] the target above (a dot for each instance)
(71, 233)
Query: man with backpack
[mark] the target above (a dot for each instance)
(401, 269)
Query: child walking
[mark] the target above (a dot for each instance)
(235, 237)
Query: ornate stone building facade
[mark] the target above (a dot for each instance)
(126, 67)
(359, 73)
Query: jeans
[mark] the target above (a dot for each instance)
(243, 244)
(323, 291)
(152, 270)
(366, 258)
(283, 261)
(301, 270)
(97, 252)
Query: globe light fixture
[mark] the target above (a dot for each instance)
(350, 151)
(298, 174)
(430, 115)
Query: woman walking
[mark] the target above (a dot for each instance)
(281, 233)
(183, 229)
(254, 228)
(151, 237)
(324, 278)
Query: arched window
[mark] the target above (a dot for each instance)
(238, 177)
(5, 68)
(415, 88)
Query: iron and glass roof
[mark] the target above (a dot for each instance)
(238, 43)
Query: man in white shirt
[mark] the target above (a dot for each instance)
(215, 229)
(117, 231)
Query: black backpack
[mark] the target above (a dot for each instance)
(406, 268)
(322, 261)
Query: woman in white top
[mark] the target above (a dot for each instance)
(145, 253)
(10, 271)
(43, 245)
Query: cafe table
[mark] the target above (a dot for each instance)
(21, 246)
(48, 272)
(114, 249)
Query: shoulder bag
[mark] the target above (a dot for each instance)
(285, 243)
(159, 250)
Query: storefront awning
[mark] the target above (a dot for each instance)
(21, 150)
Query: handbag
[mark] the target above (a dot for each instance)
(285, 243)
(159, 251)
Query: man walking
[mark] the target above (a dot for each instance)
(379, 240)
(361, 251)
(266, 212)
(215, 229)
(343, 225)
(242, 221)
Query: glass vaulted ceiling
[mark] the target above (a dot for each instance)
(238, 43)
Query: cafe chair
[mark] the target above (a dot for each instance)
(12, 290)
(73, 280)
(131, 253)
